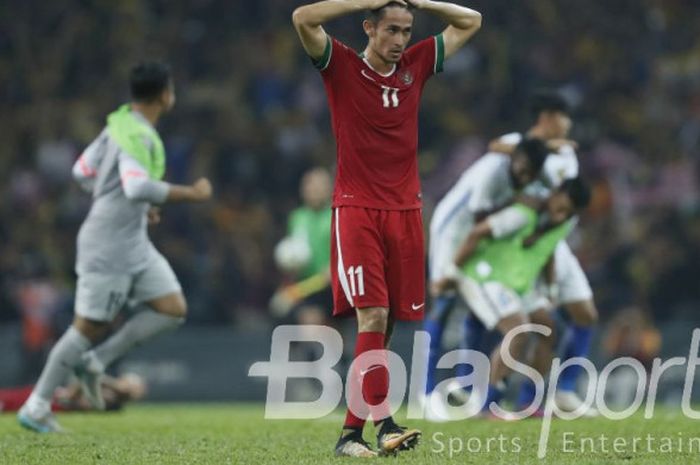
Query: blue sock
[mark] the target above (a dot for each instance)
(527, 393)
(435, 326)
(472, 338)
(474, 331)
(494, 394)
(578, 345)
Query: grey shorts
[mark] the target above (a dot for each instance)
(100, 296)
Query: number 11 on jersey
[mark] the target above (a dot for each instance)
(357, 280)
(390, 97)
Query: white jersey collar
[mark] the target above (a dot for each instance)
(364, 58)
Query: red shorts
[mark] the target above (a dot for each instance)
(377, 260)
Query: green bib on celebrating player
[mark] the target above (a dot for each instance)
(508, 262)
(132, 135)
(315, 227)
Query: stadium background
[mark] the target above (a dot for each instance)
(251, 114)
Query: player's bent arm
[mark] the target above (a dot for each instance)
(550, 277)
(142, 189)
(138, 186)
(483, 214)
(498, 225)
(84, 175)
(463, 22)
(480, 232)
(85, 167)
(199, 191)
(136, 182)
(145, 190)
(549, 271)
(537, 234)
(308, 20)
(499, 146)
(555, 145)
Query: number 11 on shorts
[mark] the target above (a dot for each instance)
(357, 280)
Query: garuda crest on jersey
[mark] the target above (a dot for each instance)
(406, 77)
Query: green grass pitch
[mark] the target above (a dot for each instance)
(238, 434)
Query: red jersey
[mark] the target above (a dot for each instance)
(375, 122)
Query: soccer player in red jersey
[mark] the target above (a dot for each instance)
(377, 233)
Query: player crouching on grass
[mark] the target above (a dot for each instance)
(497, 266)
(116, 260)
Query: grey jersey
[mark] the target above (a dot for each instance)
(114, 236)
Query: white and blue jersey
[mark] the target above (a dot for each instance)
(484, 187)
(571, 280)
(558, 167)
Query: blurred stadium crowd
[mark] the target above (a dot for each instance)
(251, 114)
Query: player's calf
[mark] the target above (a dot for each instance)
(89, 374)
(158, 316)
(583, 313)
(372, 319)
(499, 369)
(173, 304)
(91, 329)
(584, 316)
(540, 359)
(35, 414)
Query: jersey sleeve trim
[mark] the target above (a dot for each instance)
(323, 62)
(439, 54)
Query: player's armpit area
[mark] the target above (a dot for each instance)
(325, 59)
(501, 147)
(455, 38)
(307, 22)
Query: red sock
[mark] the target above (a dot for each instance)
(375, 385)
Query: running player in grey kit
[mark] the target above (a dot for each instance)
(116, 260)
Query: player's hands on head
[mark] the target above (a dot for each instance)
(418, 4)
(558, 144)
(202, 189)
(374, 4)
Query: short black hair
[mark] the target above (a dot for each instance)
(376, 15)
(578, 191)
(549, 100)
(536, 152)
(148, 80)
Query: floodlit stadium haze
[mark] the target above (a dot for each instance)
(251, 123)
